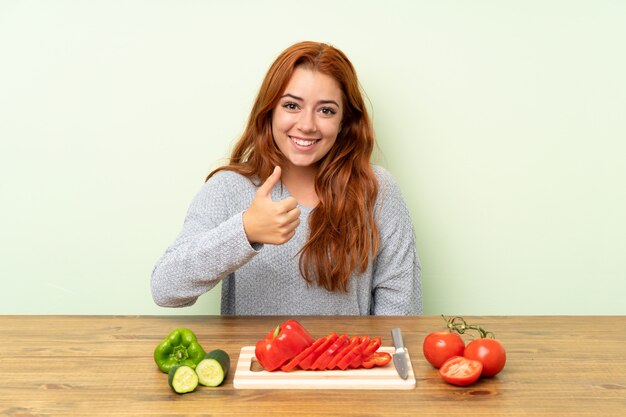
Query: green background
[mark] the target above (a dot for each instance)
(502, 121)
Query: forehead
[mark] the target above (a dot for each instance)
(313, 85)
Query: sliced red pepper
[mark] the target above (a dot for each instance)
(307, 362)
(354, 341)
(376, 359)
(357, 360)
(282, 344)
(352, 355)
(372, 347)
(292, 364)
(322, 361)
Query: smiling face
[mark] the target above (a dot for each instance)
(307, 118)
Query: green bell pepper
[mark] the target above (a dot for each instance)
(180, 347)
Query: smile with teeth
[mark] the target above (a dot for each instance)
(303, 142)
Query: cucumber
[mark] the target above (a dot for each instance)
(213, 368)
(183, 379)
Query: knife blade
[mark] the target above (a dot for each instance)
(400, 358)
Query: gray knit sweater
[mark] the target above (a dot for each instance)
(265, 279)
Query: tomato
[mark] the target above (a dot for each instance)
(489, 352)
(440, 346)
(460, 371)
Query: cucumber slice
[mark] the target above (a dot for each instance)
(183, 379)
(212, 370)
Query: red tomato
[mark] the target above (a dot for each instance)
(460, 371)
(489, 352)
(441, 346)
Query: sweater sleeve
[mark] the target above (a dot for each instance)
(211, 245)
(397, 271)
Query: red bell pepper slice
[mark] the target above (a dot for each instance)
(367, 350)
(376, 359)
(322, 361)
(282, 344)
(307, 362)
(353, 355)
(357, 359)
(354, 341)
(372, 347)
(291, 365)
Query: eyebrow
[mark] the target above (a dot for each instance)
(319, 102)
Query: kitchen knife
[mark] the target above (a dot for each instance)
(400, 358)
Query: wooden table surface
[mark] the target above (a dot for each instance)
(103, 365)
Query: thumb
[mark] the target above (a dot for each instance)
(270, 182)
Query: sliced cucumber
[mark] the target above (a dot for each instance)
(183, 379)
(213, 368)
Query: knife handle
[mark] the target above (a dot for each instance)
(396, 335)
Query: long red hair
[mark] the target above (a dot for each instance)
(343, 234)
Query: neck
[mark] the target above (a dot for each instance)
(300, 181)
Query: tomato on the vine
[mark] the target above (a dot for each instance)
(489, 352)
(460, 371)
(440, 346)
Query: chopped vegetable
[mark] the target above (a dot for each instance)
(282, 344)
(213, 368)
(460, 371)
(307, 362)
(326, 353)
(182, 379)
(376, 359)
(292, 364)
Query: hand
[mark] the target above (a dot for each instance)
(267, 221)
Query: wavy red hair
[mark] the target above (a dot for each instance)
(343, 234)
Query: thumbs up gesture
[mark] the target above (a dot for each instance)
(267, 221)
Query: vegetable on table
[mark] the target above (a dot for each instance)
(290, 347)
(447, 350)
(438, 347)
(180, 347)
(182, 379)
(489, 352)
(213, 368)
(460, 371)
(376, 359)
(282, 344)
(486, 350)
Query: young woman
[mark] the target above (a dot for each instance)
(299, 222)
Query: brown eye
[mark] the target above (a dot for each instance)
(290, 106)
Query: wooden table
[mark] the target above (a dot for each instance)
(103, 365)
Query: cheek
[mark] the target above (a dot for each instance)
(281, 122)
(331, 129)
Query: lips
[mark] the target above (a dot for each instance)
(303, 142)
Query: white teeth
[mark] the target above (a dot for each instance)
(303, 142)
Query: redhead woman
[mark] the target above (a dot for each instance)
(299, 222)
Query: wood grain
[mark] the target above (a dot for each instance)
(103, 365)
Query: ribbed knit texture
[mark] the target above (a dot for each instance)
(265, 279)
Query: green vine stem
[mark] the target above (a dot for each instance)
(459, 325)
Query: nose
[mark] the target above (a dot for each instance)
(306, 122)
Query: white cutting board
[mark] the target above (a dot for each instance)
(384, 377)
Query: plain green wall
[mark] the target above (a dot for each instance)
(503, 122)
